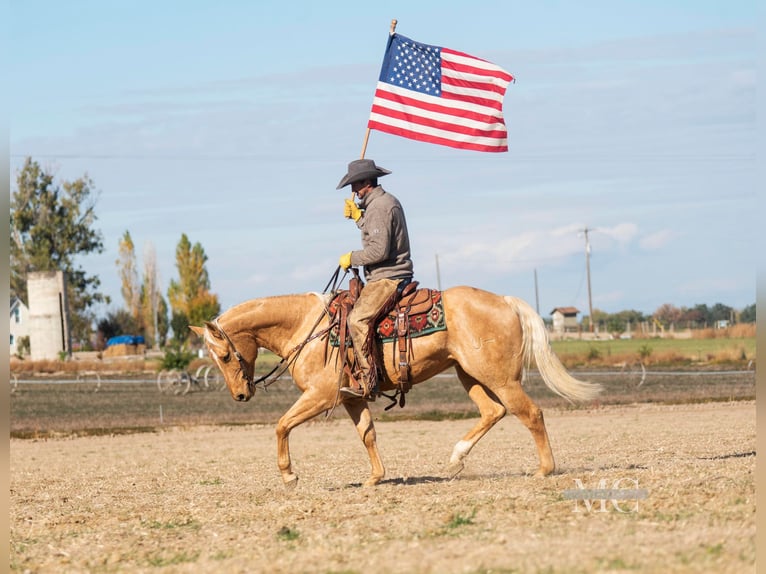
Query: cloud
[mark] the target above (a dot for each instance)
(622, 232)
(657, 240)
(521, 251)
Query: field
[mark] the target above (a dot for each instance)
(119, 477)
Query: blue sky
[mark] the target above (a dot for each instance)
(233, 121)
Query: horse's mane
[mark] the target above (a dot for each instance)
(325, 299)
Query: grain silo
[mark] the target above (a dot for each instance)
(49, 333)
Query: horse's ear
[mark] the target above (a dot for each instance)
(215, 338)
(198, 330)
(213, 329)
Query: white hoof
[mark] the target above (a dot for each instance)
(455, 468)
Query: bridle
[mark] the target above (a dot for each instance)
(284, 364)
(335, 280)
(242, 363)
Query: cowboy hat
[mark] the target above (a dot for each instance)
(361, 169)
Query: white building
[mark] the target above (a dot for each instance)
(565, 320)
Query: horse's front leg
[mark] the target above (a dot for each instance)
(309, 405)
(359, 412)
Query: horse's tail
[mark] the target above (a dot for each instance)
(536, 345)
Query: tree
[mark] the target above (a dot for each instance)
(162, 321)
(126, 264)
(51, 224)
(179, 322)
(599, 319)
(667, 314)
(617, 323)
(748, 314)
(721, 312)
(115, 323)
(150, 296)
(700, 315)
(190, 296)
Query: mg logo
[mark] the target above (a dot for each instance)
(623, 495)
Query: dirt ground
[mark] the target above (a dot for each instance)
(210, 499)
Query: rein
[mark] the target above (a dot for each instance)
(293, 354)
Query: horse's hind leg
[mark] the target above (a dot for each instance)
(360, 414)
(518, 402)
(491, 411)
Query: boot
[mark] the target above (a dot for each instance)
(362, 390)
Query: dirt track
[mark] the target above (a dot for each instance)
(211, 500)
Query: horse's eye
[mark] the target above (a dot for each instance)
(226, 358)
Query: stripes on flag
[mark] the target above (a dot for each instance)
(440, 96)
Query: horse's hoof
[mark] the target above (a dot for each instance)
(455, 468)
(291, 482)
(542, 473)
(371, 482)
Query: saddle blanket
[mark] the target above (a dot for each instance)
(422, 322)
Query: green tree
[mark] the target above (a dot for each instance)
(179, 322)
(599, 319)
(721, 312)
(748, 314)
(51, 225)
(119, 322)
(163, 324)
(190, 296)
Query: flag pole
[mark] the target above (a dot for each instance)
(391, 32)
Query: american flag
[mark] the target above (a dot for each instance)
(437, 95)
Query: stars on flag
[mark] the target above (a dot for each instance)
(417, 67)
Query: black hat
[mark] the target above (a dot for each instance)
(361, 169)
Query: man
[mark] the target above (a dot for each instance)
(385, 256)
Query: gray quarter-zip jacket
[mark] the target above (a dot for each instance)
(385, 252)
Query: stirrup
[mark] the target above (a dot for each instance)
(352, 392)
(358, 394)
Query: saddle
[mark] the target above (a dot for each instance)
(409, 312)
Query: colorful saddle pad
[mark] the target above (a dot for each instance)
(425, 317)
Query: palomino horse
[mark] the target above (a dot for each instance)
(490, 340)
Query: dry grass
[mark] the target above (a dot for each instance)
(210, 499)
(108, 486)
(124, 365)
(739, 331)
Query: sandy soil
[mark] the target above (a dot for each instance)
(210, 499)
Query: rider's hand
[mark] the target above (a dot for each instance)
(345, 260)
(351, 211)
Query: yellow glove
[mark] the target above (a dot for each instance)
(345, 260)
(351, 211)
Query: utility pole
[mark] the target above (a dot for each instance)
(438, 275)
(537, 296)
(587, 267)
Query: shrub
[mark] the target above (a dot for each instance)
(644, 351)
(177, 357)
(23, 347)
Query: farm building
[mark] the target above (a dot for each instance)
(49, 334)
(565, 320)
(19, 323)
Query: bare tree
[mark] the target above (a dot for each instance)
(151, 294)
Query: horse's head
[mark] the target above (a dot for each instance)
(238, 369)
